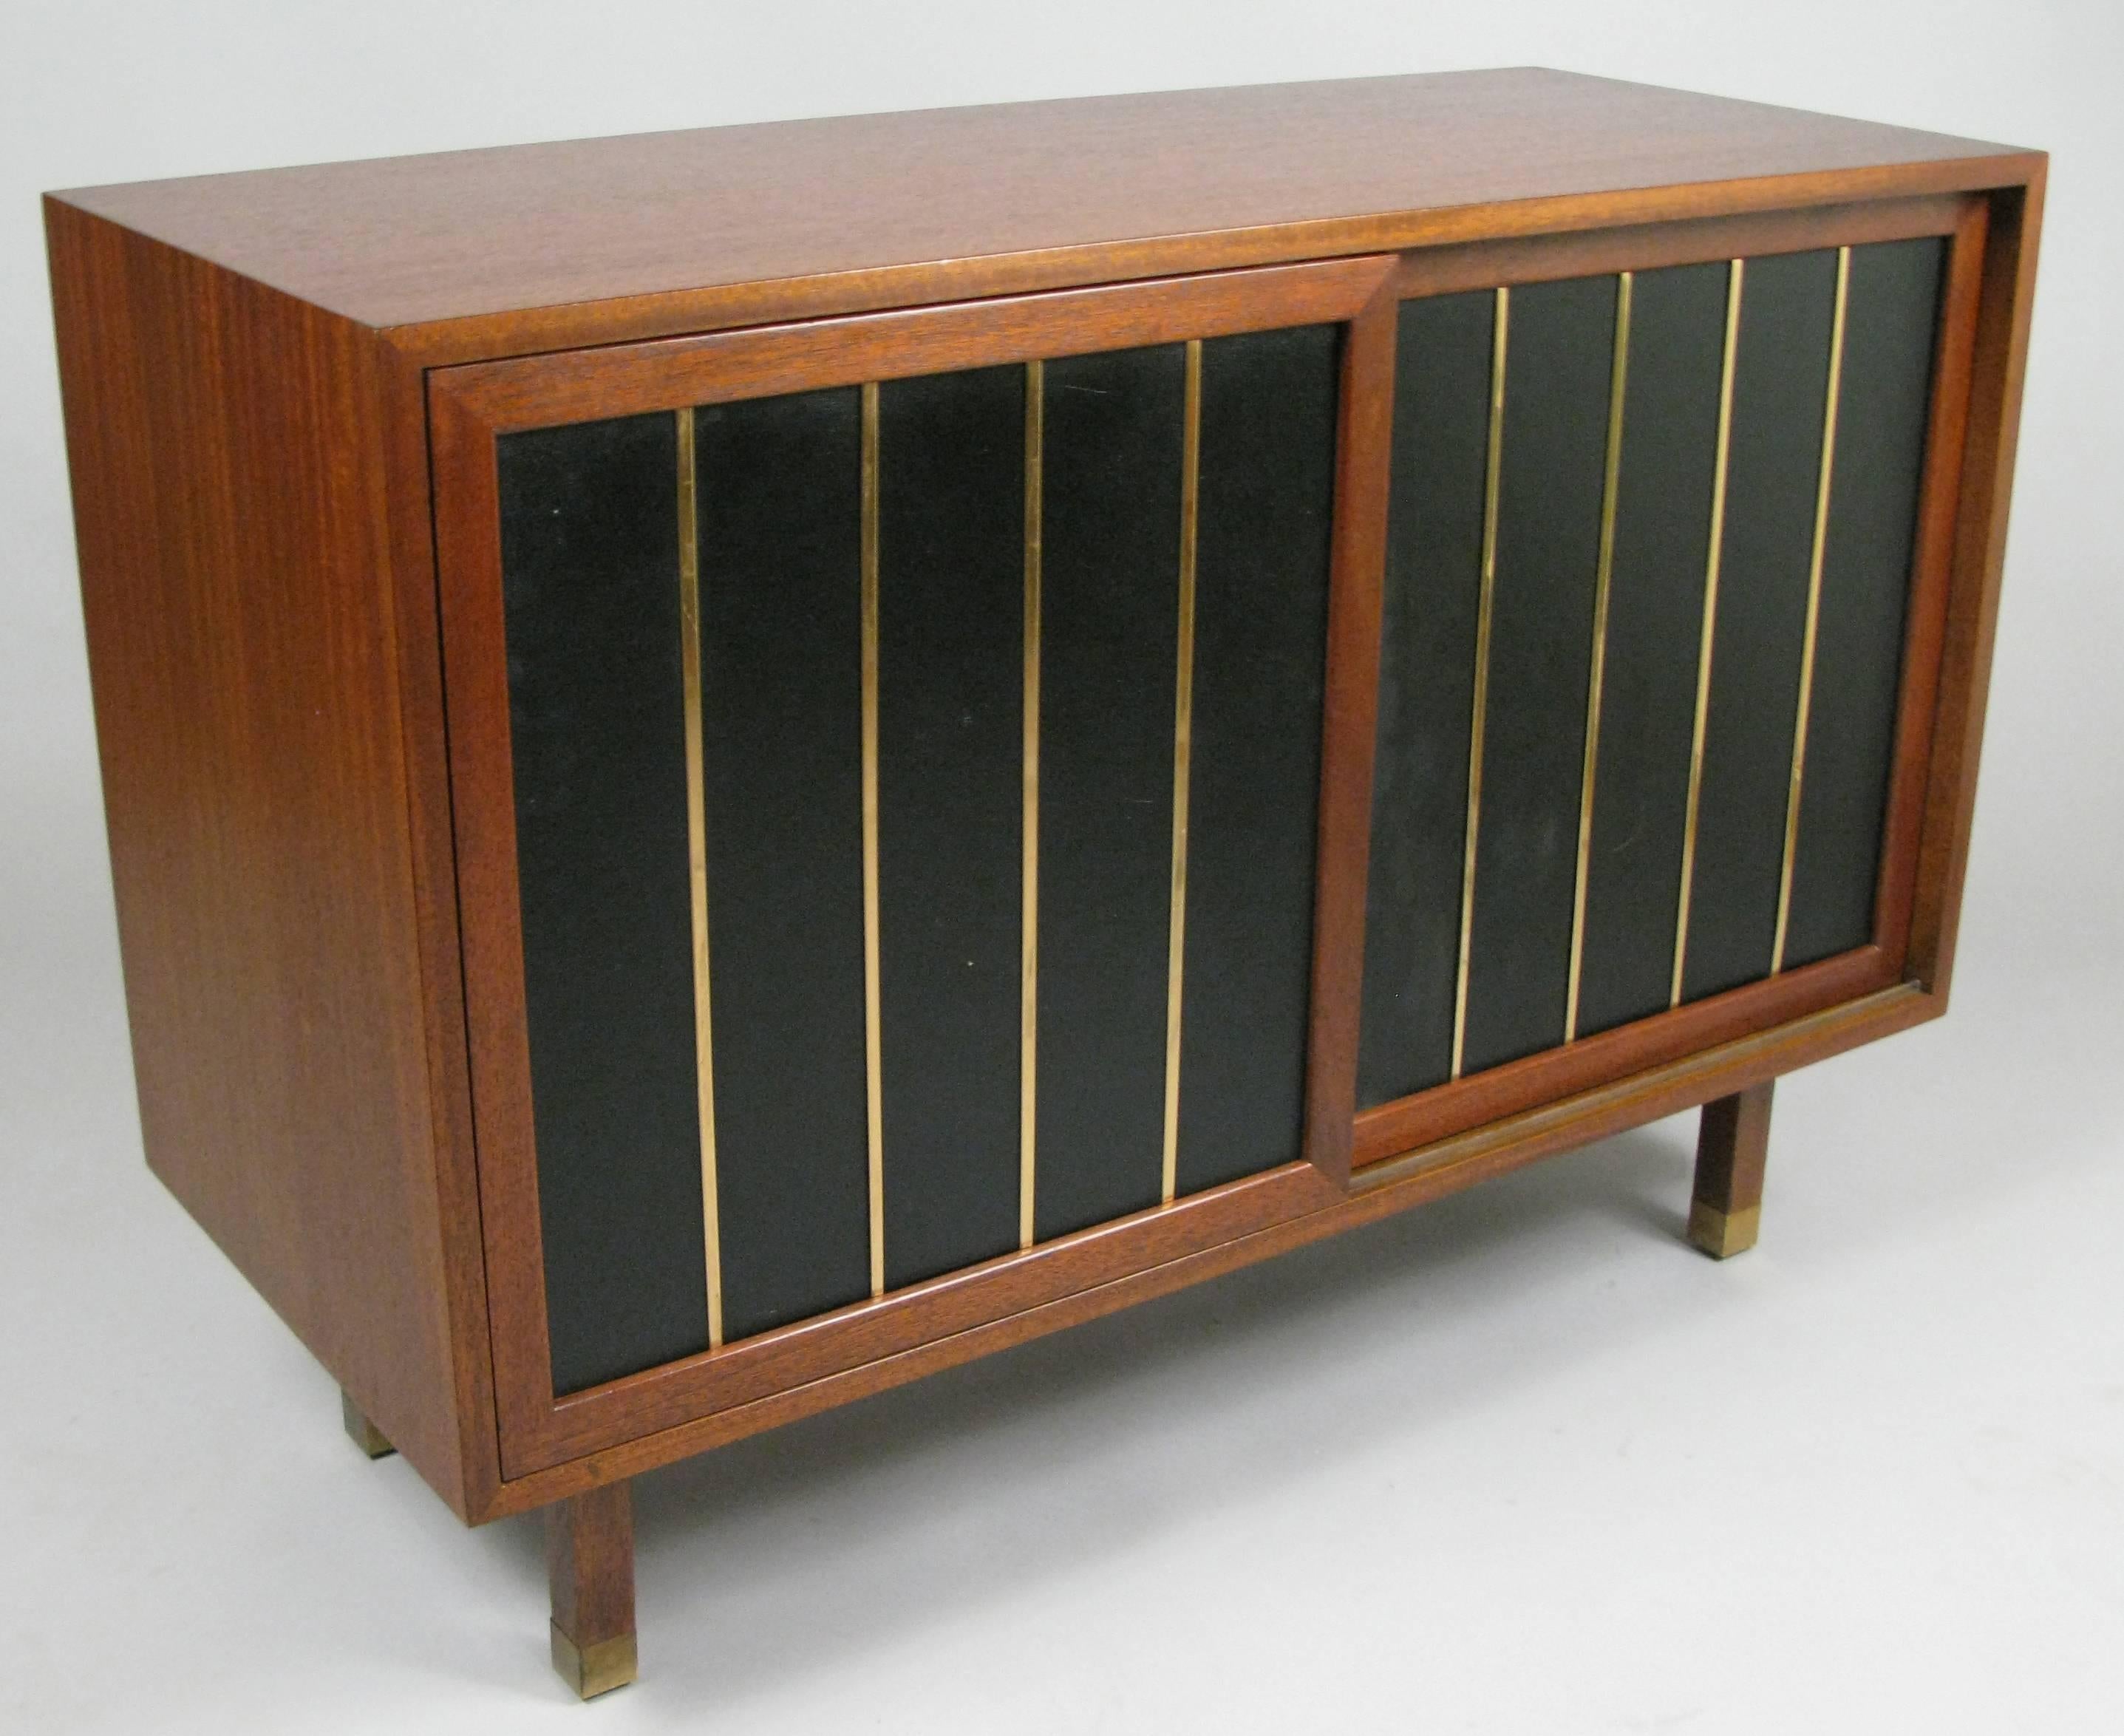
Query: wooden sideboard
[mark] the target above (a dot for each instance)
(742, 764)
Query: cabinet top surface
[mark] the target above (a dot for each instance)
(463, 234)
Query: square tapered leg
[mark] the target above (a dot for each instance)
(363, 1433)
(1730, 1146)
(589, 1561)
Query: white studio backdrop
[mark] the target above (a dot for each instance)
(1516, 1463)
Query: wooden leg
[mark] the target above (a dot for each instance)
(589, 1560)
(363, 1433)
(1731, 1145)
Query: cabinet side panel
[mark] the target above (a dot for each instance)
(226, 445)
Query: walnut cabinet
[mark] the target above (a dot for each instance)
(743, 764)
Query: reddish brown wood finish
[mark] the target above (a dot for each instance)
(590, 1570)
(1932, 576)
(231, 516)
(1488, 265)
(1349, 731)
(291, 786)
(431, 837)
(545, 246)
(547, 391)
(1733, 1148)
(589, 1562)
(490, 937)
(1490, 1096)
(2005, 301)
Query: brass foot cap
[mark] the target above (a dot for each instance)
(1721, 1235)
(363, 1433)
(593, 1669)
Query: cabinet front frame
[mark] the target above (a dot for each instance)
(1492, 1121)
(470, 407)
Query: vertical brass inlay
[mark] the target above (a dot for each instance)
(697, 854)
(1183, 730)
(1499, 335)
(873, 1045)
(1813, 603)
(1618, 380)
(1036, 392)
(1735, 274)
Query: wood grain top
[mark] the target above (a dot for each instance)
(1109, 186)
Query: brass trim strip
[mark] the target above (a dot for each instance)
(873, 1027)
(697, 857)
(1734, 277)
(1500, 335)
(1618, 382)
(1183, 731)
(1036, 399)
(1813, 603)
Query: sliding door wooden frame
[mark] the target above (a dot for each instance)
(470, 407)
(1444, 1111)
